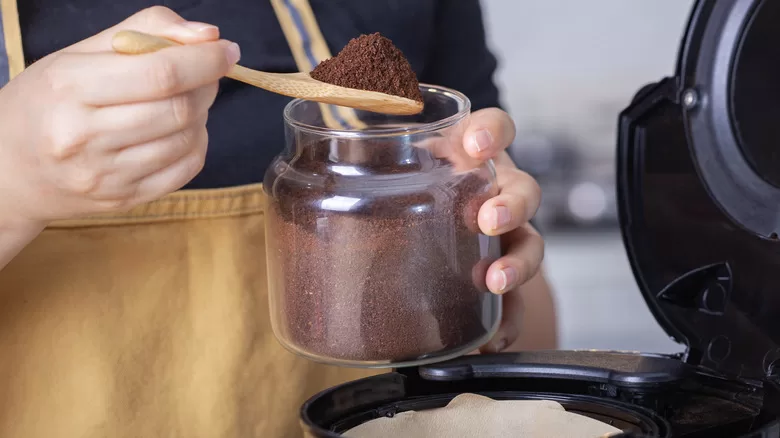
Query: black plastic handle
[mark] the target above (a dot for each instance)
(595, 366)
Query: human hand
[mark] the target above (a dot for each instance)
(488, 135)
(86, 130)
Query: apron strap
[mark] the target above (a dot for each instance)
(309, 48)
(11, 52)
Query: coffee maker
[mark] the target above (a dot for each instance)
(698, 177)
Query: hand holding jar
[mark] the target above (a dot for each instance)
(489, 134)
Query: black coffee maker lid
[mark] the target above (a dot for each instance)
(699, 189)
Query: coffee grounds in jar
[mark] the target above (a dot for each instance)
(372, 63)
(395, 279)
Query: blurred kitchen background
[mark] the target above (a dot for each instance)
(567, 68)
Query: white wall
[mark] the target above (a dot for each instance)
(572, 65)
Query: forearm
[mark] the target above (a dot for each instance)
(539, 325)
(14, 236)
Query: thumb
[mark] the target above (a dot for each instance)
(157, 20)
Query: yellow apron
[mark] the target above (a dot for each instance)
(153, 322)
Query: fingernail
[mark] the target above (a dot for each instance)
(199, 27)
(508, 278)
(482, 140)
(500, 216)
(500, 345)
(233, 53)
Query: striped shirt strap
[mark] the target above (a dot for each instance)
(11, 52)
(309, 48)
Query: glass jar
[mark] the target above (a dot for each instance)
(375, 258)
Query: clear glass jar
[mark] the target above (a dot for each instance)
(374, 255)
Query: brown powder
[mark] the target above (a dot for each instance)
(393, 277)
(372, 63)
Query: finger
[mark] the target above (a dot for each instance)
(515, 205)
(490, 131)
(136, 123)
(173, 177)
(130, 166)
(509, 328)
(525, 251)
(527, 331)
(449, 147)
(135, 163)
(156, 20)
(113, 79)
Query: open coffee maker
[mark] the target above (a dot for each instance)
(698, 173)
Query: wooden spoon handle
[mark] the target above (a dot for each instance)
(130, 42)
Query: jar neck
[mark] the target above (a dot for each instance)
(373, 153)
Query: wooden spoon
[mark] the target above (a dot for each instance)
(299, 85)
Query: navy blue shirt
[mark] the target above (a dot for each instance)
(444, 41)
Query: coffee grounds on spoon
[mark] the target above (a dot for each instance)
(371, 63)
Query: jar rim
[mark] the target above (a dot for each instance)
(463, 101)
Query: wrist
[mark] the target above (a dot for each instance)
(15, 234)
(20, 226)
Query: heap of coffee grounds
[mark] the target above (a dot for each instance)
(372, 63)
(393, 272)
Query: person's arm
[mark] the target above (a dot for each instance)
(460, 59)
(538, 320)
(14, 236)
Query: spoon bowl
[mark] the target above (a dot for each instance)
(297, 85)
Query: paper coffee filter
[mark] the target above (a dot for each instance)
(471, 415)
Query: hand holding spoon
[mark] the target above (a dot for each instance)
(299, 85)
